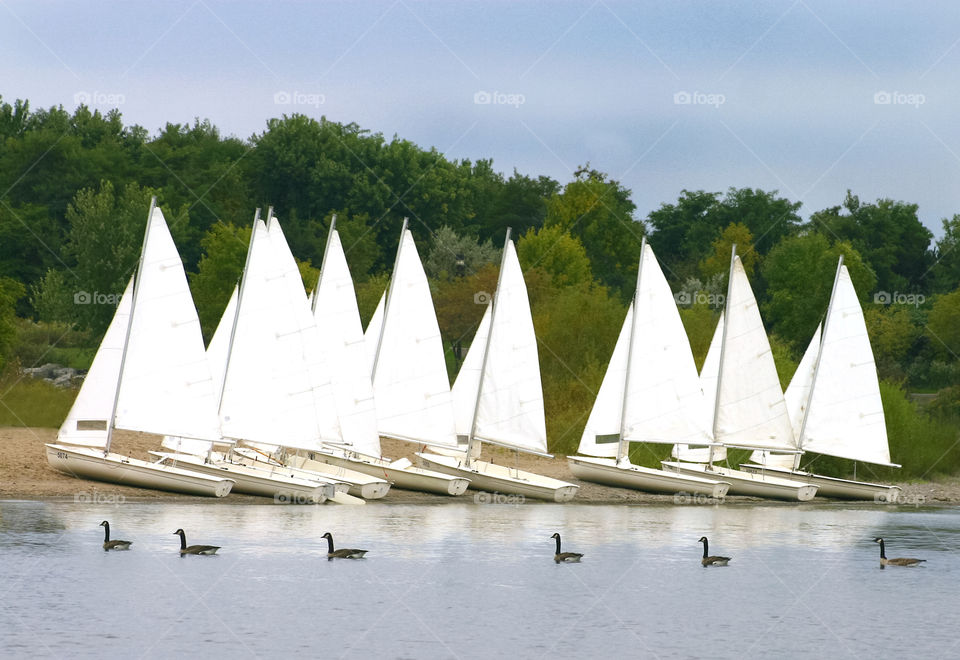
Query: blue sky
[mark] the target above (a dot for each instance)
(810, 98)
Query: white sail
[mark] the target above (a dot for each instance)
(217, 354)
(371, 336)
(464, 389)
(165, 386)
(751, 411)
(796, 398)
(341, 335)
(708, 385)
(845, 417)
(510, 409)
(274, 390)
(410, 375)
(601, 435)
(218, 350)
(301, 371)
(88, 419)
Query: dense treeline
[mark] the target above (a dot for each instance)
(74, 189)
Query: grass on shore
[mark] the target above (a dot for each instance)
(28, 402)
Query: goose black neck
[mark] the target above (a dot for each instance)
(183, 540)
(106, 532)
(558, 544)
(705, 543)
(330, 543)
(883, 552)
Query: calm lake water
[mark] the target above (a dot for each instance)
(461, 580)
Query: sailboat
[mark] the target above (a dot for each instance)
(334, 306)
(650, 393)
(749, 411)
(836, 406)
(149, 374)
(498, 389)
(267, 388)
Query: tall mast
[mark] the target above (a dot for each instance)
(816, 367)
(622, 444)
(126, 339)
(486, 350)
(723, 347)
(323, 263)
(236, 311)
(386, 307)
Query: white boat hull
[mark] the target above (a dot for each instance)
(501, 479)
(91, 463)
(747, 483)
(283, 488)
(608, 472)
(400, 473)
(361, 485)
(832, 486)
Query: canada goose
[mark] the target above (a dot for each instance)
(113, 545)
(564, 557)
(897, 561)
(711, 561)
(342, 553)
(195, 549)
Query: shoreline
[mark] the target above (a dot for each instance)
(25, 475)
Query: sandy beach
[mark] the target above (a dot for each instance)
(25, 474)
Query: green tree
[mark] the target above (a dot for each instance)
(799, 273)
(888, 235)
(684, 233)
(447, 248)
(224, 254)
(101, 252)
(598, 212)
(893, 333)
(719, 261)
(946, 269)
(10, 292)
(557, 253)
(943, 325)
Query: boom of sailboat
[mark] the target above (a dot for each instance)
(291, 397)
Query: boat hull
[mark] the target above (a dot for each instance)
(360, 484)
(501, 479)
(832, 486)
(746, 483)
(606, 471)
(407, 477)
(256, 481)
(90, 463)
